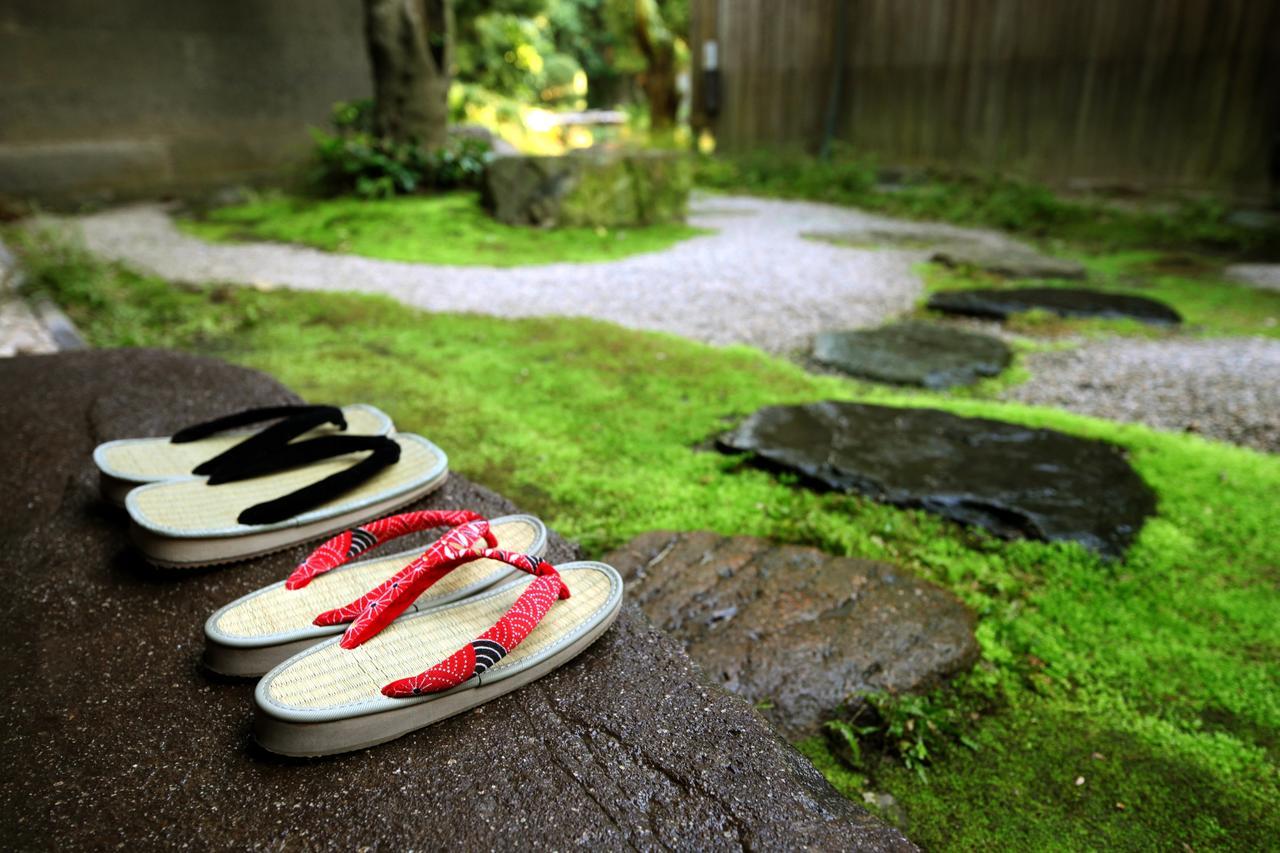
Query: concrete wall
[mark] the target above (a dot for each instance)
(120, 98)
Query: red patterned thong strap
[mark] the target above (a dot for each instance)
(374, 610)
(496, 643)
(350, 544)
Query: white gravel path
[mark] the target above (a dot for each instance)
(1226, 389)
(756, 281)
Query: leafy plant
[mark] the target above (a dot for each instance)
(913, 728)
(354, 159)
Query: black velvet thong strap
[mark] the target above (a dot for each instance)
(385, 452)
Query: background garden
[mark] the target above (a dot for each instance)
(1123, 702)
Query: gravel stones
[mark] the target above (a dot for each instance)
(796, 631)
(113, 732)
(755, 281)
(913, 353)
(1224, 389)
(1014, 481)
(1065, 302)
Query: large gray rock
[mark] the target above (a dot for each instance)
(590, 188)
(114, 736)
(913, 353)
(796, 631)
(1013, 480)
(1000, 303)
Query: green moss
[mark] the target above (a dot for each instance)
(443, 229)
(975, 199)
(1210, 306)
(1165, 663)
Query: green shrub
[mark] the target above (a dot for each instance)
(354, 159)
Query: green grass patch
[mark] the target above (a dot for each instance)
(1164, 664)
(990, 200)
(440, 229)
(1210, 306)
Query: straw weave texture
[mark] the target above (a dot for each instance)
(191, 506)
(278, 610)
(156, 458)
(331, 676)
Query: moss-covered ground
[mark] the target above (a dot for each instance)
(1210, 305)
(1129, 705)
(993, 200)
(441, 229)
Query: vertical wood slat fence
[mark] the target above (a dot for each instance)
(1122, 93)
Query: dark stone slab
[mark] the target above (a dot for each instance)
(912, 353)
(1012, 480)
(800, 630)
(114, 737)
(1008, 259)
(1063, 301)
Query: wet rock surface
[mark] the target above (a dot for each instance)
(1063, 301)
(913, 353)
(796, 631)
(1012, 480)
(115, 737)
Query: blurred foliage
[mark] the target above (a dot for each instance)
(352, 159)
(570, 54)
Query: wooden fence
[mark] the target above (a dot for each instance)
(1122, 93)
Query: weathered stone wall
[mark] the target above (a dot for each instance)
(137, 97)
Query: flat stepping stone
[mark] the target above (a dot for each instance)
(988, 251)
(794, 630)
(1064, 301)
(1010, 260)
(1015, 481)
(628, 746)
(1260, 276)
(912, 353)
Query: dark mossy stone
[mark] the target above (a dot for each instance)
(913, 353)
(588, 189)
(1063, 301)
(116, 733)
(1016, 481)
(794, 630)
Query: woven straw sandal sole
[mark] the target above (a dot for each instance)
(258, 631)
(191, 553)
(127, 463)
(284, 725)
(186, 523)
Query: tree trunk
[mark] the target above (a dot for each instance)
(411, 51)
(658, 46)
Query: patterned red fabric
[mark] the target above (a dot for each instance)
(371, 612)
(350, 544)
(490, 647)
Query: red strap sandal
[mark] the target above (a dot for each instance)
(258, 631)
